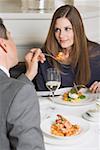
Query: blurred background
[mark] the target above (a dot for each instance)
(29, 20)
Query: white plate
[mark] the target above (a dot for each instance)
(87, 116)
(88, 100)
(46, 124)
(57, 92)
(71, 143)
(57, 142)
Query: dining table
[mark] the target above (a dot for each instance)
(89, 139)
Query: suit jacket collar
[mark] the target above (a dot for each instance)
(4, 69)
(2, 73)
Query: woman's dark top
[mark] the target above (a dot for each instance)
(68, 75)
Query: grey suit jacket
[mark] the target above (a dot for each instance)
(19, 115)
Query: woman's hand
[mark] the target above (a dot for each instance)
(95, 87)
(32, 58)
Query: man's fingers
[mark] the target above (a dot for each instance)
(38, 55)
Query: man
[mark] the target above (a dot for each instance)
(19, 109)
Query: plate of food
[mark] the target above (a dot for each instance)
(64, 127)
(75, 97)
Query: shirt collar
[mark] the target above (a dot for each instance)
(5, 70)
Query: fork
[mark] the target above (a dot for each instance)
(49, 55)
(78, 87)
(75, 86)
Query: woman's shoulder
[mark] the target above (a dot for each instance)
(93, 45)
(94, 49)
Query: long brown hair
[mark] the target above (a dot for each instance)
(79, 53)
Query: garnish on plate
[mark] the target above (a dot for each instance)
(73, 95)
(63, 127)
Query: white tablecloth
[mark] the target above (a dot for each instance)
(90, 140)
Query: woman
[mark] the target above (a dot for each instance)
(81, 56)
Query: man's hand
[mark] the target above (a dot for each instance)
(32, 58)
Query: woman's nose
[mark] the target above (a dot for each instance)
(62, 34)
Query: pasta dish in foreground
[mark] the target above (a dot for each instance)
(63, 127)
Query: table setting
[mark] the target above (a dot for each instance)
(76, 114)
(69, 116)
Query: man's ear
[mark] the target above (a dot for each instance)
(3, 45)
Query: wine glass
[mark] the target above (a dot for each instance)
(53, 81)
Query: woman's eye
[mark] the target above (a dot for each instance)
(68, 29)
(57, 30)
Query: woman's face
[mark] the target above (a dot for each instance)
(64, 33)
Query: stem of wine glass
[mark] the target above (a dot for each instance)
(53, 95)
